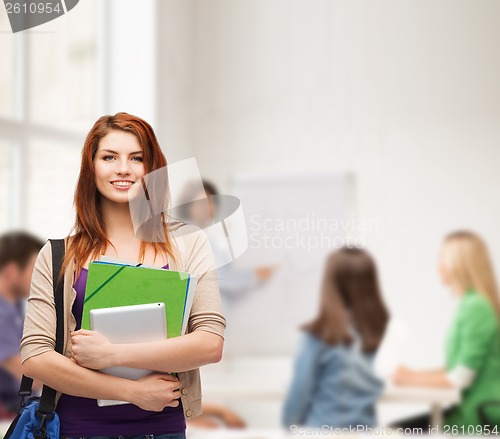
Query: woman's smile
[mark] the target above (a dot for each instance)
(122, 185)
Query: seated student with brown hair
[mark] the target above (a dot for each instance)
(333, 382)
(18, 252)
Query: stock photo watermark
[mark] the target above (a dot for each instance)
(309, 232)
(26, 14)
(445, 430)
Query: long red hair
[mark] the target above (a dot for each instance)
(89, 230)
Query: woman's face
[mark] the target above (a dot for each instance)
(118, 163)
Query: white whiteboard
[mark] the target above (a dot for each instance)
(293, 221)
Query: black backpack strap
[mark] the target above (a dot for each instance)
(25, 388)
(48, 399)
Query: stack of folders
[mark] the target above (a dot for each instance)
(113, 284)
(126, 290)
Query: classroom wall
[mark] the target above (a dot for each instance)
(174, 45)
(405, 94)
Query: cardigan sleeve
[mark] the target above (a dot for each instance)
(39, 332)
(206, 312)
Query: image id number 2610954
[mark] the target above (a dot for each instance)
(33, 8)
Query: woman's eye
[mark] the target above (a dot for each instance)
(137, 159)
(108, 157)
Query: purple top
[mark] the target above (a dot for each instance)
(83, 417)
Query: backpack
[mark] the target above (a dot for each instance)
(36, 417)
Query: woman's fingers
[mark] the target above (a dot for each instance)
(174, 403)
(156, 391)
(168, 377)
(82, 332)
(161, 376)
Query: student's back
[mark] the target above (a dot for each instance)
(332, 385)
(333, 382)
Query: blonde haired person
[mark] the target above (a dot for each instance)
(473, 340)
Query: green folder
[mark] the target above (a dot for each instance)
(110, 285)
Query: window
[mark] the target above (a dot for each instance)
(5, 184)
(7, 70)
(53, 169)
(48, 101)
(63, 71)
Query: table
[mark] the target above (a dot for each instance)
(233, 386)
(244, 387)
(437, 398)
(192, 433)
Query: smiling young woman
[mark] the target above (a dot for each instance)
(118, 152)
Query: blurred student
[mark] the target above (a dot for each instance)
(334, 383)
(18, 252)
(233, 282)
(473, 340)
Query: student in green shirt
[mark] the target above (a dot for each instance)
(473, 340)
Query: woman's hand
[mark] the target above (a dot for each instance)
(402, 375)
(91, 349)
(156, 391)
(232, 420)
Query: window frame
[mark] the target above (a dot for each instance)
(17, 131)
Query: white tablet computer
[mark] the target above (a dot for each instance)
(129, 324)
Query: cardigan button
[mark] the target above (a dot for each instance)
(184, 391)
(188, 413)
